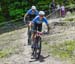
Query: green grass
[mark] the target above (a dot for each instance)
(10, 43)
(6, 52)
(63, 50)
(69, 19)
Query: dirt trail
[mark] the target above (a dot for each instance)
(24, 56)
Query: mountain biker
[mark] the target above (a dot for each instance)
(31, 13)
(37, 23)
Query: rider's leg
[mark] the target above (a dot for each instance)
(37, 27)
(34, 29)
(33, 36)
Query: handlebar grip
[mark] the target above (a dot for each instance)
(45, 32)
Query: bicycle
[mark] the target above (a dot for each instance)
(29, 35)
(28, 18)
(30, 29)
(37, 44)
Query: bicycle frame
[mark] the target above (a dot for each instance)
(38, 34)
(37, 45)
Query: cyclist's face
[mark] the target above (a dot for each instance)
(41, 16)
(33, 10)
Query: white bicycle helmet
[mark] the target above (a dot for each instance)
(33, 7)
(41, 13)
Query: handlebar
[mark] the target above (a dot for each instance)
(39, 33)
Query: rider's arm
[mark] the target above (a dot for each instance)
(27, 14)
(45, 20)
(37, 12)
(33, 21)
(48, 28)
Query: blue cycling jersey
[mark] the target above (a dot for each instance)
(38, 21)
(32, 12)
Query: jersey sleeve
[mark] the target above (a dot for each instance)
(35, 19)
(28, 11)
(45, 20)
(37, 12)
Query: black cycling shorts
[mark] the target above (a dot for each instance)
(37, 27)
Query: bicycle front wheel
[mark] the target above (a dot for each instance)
(37, 48)
(29, 36)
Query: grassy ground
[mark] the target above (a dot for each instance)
(10, 42)
(63, 51)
